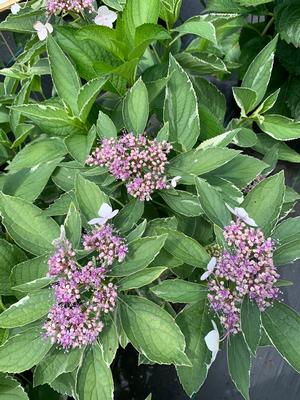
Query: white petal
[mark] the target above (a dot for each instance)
(41, 30)
(49, 27)
(175, 180)
(102, 22)
(105, 210)
(103, 10)
(95, 221)
(114, 213)
(204, 276)
(42, 34)
(38, 25)
(212, 340)
(212, 263)
(250, 221)
(62, 233)
(15, 8)
(105, 17)
(240, 212)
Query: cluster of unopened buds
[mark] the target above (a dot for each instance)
(245, 268)
(136, 160)
(82, 293)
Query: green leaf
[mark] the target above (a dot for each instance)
(115, 4)
(287, 252)
(52, 120)
(89, 197)
(105, 126)
(94, 379)
(136, 108)
(287, 16)
(73, 226)
(21, 98)
(280, 127)
(87, 96)
(30, 270)
(212, 203)
(225, 6)
(211, 97)
(79, 146)
(268, 103)
(259, 72)
(185, 248)
(179, 291)
(10, 255)
(144, 36)
(264, 202)
(34, 285)
(169, 11)
(137, 13)
(129, 215)
(245, 138)
(219, 141)
(21, 23)
(108, 339)
(141, 252)
(287, 231)
(240, 171)
(38, 152)
(65, 78)
(194, 321)
(27, 225)
(201, 64)
(265, 142)
(27, 310)
(182, 202)
(23, 351)
(245, 98)
(10, 389)
(56, 363)
(250, 324)
(181, 108)
(200, 161)
(282, 325)
(239, 364)
(142, 320)
(141, 278)
(28, 183)
(104, 37)
(137, 232)
(65, 384)
(253, 3)
(200, 27)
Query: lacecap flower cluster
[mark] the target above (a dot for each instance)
(78, 6)
(83, 294)
(139, 161)
(246, 268)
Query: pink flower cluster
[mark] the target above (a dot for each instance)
(245, 269)
(110, 247)
(82, 294)
(254, 183)
(57, 6)
(139, 161)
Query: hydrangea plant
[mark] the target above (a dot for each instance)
(134, 208)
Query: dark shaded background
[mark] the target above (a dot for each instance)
(271, 377)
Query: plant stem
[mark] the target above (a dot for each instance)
(2, 306)
(8, 47)
(269, 24)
